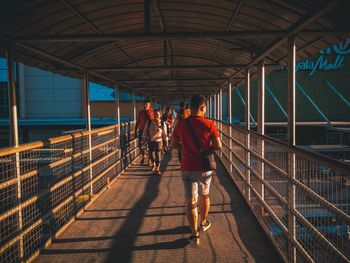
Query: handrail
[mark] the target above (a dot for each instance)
(29, 146)
(342, 166)
(58, 179)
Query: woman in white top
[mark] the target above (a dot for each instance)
(155, 132)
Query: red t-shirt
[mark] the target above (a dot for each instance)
(143, 117)
(204, 130)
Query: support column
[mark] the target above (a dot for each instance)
(214, 106)
(88, 124)
(22, 91)
(211, 107)
(220, 117)
(247, 126)
(11, 85)
(133, 104)
(218, 106)
(117, 107)
(229, 111)
(261, 123)
(14, 141)
(291, 141)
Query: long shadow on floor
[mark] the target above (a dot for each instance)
(123, 245)
(248, 227)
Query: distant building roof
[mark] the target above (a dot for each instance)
(99, 92)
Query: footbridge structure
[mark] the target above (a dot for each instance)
(83, 197)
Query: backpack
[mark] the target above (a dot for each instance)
(149, 125)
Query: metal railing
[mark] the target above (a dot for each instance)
(301, 199)
(44, 185)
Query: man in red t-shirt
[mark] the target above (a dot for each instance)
(195, 179)
(145, 115)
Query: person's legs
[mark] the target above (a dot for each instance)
(150, 153)
(204, 182)
(158, 156)
(142, 150)
(192, 214)
(191, 194)
(204, 205)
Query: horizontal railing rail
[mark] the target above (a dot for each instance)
(301, 198)
(45, 184)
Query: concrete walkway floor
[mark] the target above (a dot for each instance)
(141, 218)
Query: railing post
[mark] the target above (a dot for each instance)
(14, 141)
(247, 126)
(261, 123)
(291, 156)
(88, 125)
(229, 110)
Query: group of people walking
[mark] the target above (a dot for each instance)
(196, 138)
(154, 131)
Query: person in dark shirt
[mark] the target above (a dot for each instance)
(145, 115)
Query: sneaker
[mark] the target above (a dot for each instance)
(194, 239)
(158, 172)
(206, 226)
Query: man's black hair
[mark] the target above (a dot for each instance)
(197, 101)
(146, 101)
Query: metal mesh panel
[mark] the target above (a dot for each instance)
(57, 179)
(278, 175)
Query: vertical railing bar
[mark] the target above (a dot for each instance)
(247, 126)
(261, 122)
(291, 140)
(14, 141)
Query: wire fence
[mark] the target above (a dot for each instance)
(301, 199)
(44, 185)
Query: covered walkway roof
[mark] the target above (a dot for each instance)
(167, 49)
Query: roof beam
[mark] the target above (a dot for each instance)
(60, 60)
(295, 29)
(178, 35)
(167, 67)
(229, 25)
(95, 28)
(174, 87)
(147, 26)
(171, 80)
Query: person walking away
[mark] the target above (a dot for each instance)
(195, 175)
(169, 119)
(145, 115)
(184, 112)
(155, 132)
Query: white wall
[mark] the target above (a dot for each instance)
(49, 95)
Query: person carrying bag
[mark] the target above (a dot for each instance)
(198, 138)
